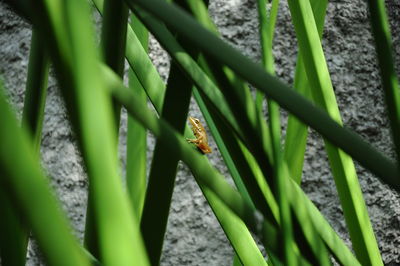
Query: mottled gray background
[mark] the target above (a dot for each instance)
(194, 236)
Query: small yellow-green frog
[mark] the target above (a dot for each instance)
(200, 134)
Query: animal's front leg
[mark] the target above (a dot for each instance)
(195, 141)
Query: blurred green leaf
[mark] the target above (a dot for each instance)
(113, 40)
(14, 240)
(28, 188)
(71, 41)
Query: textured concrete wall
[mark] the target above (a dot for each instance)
(193, 234)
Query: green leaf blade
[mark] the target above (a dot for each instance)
(343, 169)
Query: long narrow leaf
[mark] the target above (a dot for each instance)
(136, 151)
(13, 233)
(36, 89)
(390, 84)
(27, 186)
(266, 37)
(143, 75)
(299, 201)
(14, 240)
(90, 110)
(222, 143)
(296, 132)
(343, 169)
(266, 29)
(141, 65)
(164, 166)
(242, 241)
(113, 40)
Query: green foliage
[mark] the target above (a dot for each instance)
(127, 226)
(14, 233)
(343, 169)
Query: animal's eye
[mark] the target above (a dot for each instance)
(196, 121)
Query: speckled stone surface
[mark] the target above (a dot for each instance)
(194, 236)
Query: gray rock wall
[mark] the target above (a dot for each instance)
(193, 234)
